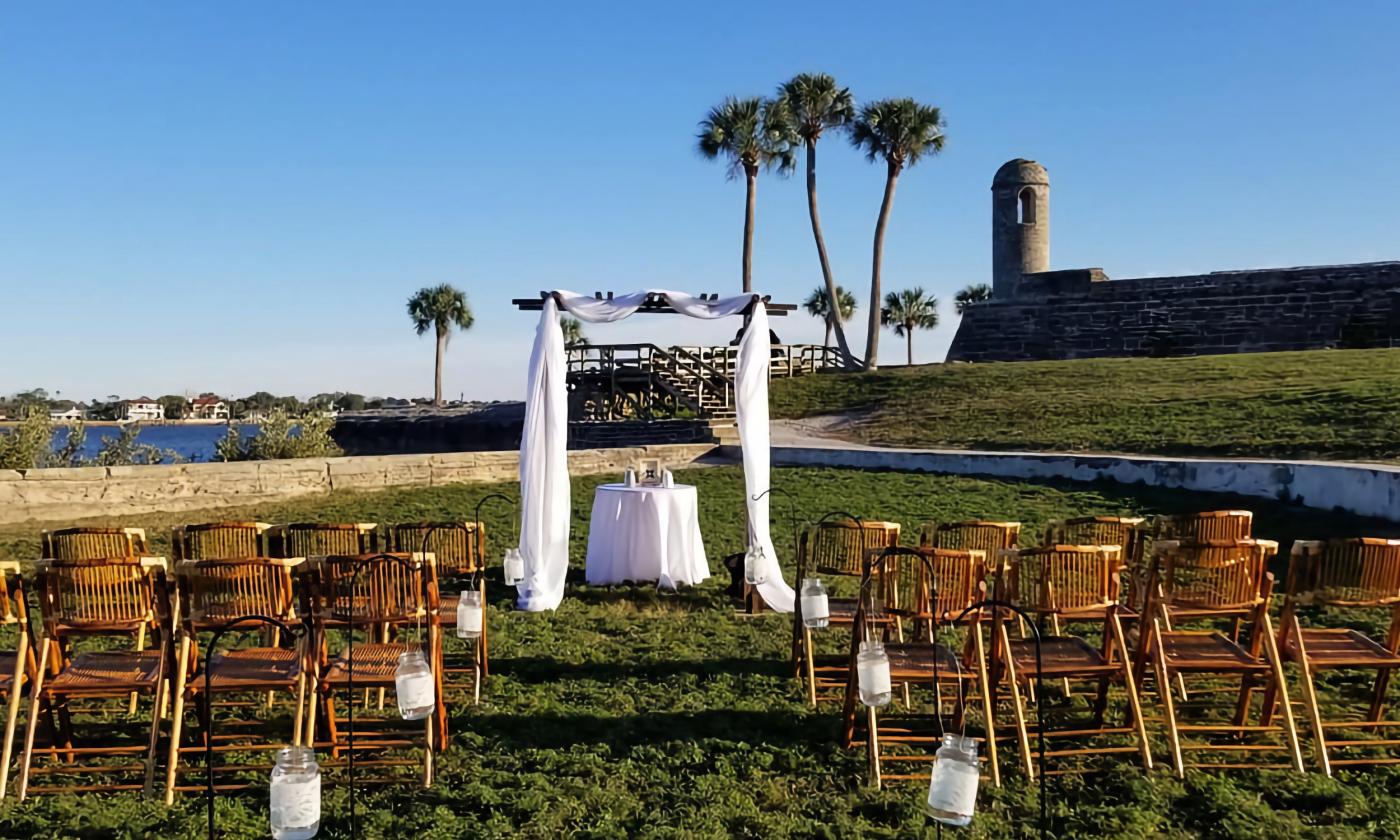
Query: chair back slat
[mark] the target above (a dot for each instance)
(459, 548)
(839, 547)
(104, 595)
(325, 538)
(215, 592)
(224, 540)
(1212, 577)
(1209, 526)
(94, 543)
(1127, 532)
(1357, 572)
(376, 588)
(1065, 580)
(972, 535)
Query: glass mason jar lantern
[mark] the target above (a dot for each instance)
(413, 683)
(952, 789)
(295, 794)
(873, 674)
(816, 611)
(469, 614)
(513, 567)
(754, 566)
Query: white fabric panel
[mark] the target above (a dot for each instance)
(646, 533)
(544, 474)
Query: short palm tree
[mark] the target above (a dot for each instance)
(818, 306)
(968, 295)
(907, 311)
(900, 132)
(751, 134)
(573, 332)
(815, 103)
(442, 308)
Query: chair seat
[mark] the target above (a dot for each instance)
(117, 671)
(912, 661)
(1207, 651)
(249, 669)
(372, 666)
(1059, 656)
(1341, 648)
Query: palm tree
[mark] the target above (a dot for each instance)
(818, 306)
(899, 132)
(968, 295)
(816, 103)
(907, 311)
(750, 133)
(442, 308)
(573, 332)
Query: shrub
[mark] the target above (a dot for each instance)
(30, 446)
(281, 436)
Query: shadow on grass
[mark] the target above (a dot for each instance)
(539, 669)
(548, 730)
(645, 594)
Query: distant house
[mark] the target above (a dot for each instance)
(142, 408)
(208, 407)
(67, 412)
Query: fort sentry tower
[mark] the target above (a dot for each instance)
(1020, 224)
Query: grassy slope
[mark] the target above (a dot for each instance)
(632, 713)
(1333, 404)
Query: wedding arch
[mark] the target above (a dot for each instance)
(544, 466)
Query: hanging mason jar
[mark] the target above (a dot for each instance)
(413, 683)
(816, 611)
(295, 794)
(952, 788)
(873, 674)
(755, 571)
(469, 614)
(513, 567)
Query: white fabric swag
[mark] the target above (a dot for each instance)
(544, 465)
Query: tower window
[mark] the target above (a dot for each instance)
(1025, 206)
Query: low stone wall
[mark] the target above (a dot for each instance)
(64, 494)
(1362, 489)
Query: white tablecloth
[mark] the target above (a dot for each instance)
(646, 533)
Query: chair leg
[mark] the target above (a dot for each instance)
(140, 646)
(12, 711)
(428, 751)
(1305, 677)
(987, 708)
(1378, 696)
(1018, 705)
(1276, 666)
(157, 700)
(1164, 695)
(299, 716)
(1134, 702)
(872, 746)
(809, 666)
(172, 764)
(36, 704)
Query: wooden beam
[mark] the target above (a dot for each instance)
(654, 305)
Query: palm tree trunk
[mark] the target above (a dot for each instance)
(909, 340)
(872, 337)
(826, 345)
(437, 366)
(833, 320)
(751, 179)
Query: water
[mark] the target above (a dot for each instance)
(193, 442)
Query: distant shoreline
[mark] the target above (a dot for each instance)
(10, 423)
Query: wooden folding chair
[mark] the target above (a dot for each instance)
(1129, 533)
(93, 543)
(1207, 526)
(220, 540)
(317, 539)
(366, 592)
(213, 594)
(923, 590)
(1353, 575)
(115, 596)
(17, 667)
(835, 548)
(1208, 584)
(1065, 585)
(459, 549)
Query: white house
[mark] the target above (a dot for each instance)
(72, 414)
(142, 408)
(208, 407)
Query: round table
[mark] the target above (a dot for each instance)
(646, 533)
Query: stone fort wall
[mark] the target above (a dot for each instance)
(1081, 313)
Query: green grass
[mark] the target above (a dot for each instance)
(1326, 404)
(632, 713)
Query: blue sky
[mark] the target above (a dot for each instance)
(240, 196)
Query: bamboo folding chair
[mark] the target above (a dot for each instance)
(1210, 583)
(92, 543)
(370, 591)
(17, 667)
(115, 596)
(1207, 525)
(317, 539)
(213, 595)
(220, 540)
(1129, 533)
(922, 590)
(459, 549)
(1068, 585)
(835, 548)
(1352, 575)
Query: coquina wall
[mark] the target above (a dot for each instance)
(1081, 313)
(68, 494)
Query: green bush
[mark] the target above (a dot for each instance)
(281, 436)
(30, 446)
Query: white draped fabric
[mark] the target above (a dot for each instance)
(645, 533)
(544, 466)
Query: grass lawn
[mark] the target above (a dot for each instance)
(632, 713)
(1325, 404)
